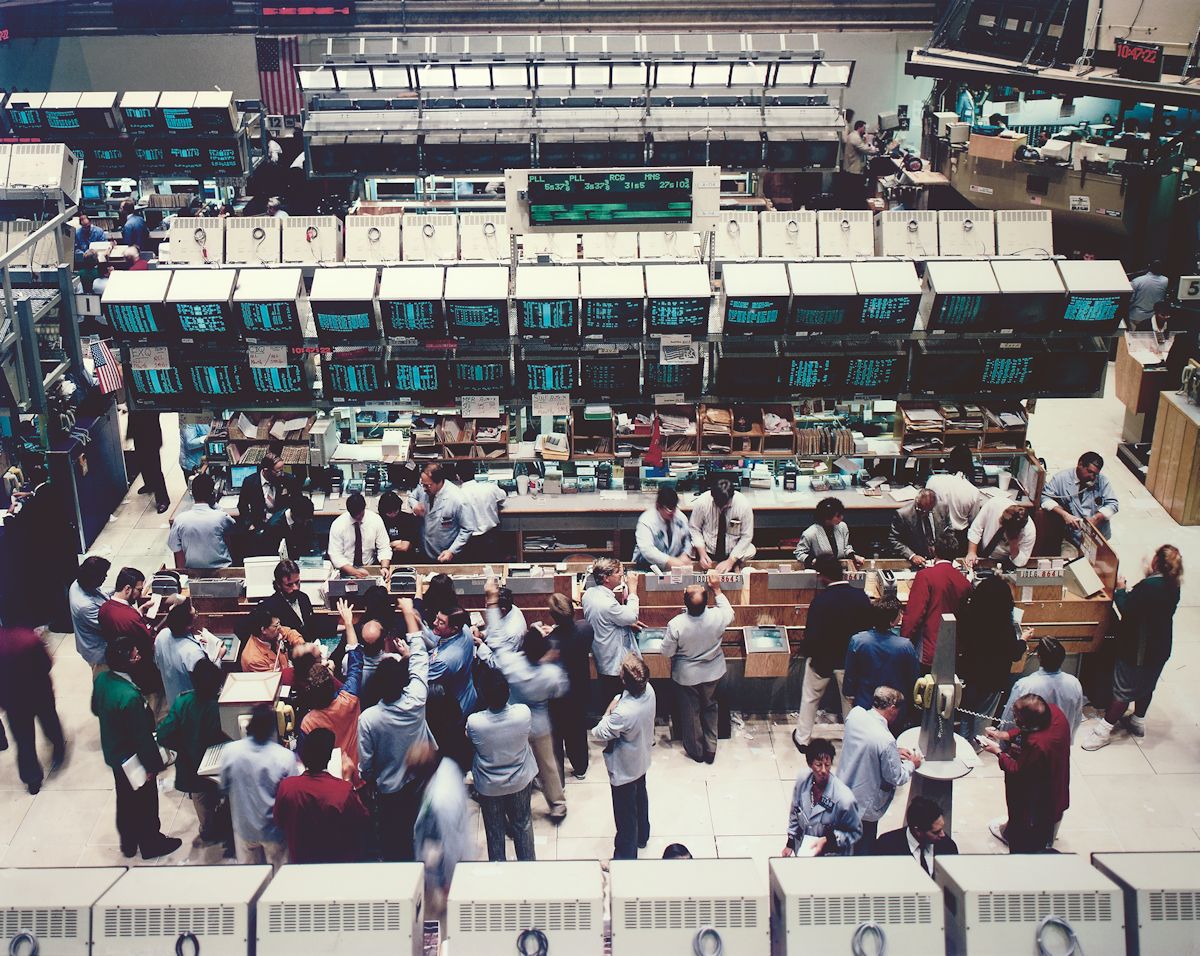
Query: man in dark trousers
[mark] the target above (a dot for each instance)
(1036, 760)
(837, 612)
(26, 694)
(146, 432)
(126, 730)
(923, 838)
(568, 714)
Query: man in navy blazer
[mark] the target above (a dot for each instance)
(924, 838)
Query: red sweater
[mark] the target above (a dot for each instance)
(118, 619)
(322, 817)
(936, 590)
(1037, 772)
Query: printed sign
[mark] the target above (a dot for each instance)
(149, 357)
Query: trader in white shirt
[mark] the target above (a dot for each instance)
(359, 538)
(693, 644)
(1002, 531)
(957, 491)
(722, 527)
(612, 611)
(482, 500)
(506, 625)
(662, 534)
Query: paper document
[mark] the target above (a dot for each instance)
(248, 428)
(135, 771)
(808, 846)
(907, 493)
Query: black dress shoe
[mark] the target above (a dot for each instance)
(145, 491)
(803, 748)
(161, 848)
(33, 788)
(709, 758)
(129, 851)
(161, 509)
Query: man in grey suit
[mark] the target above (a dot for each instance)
(916, 527)
(693, 643)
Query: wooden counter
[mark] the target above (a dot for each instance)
(1138, 386)
(1174, 476)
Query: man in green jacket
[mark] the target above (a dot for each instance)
(192, 726)
(126, 730)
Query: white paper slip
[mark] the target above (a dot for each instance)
(248, 428)
(907, 493)
(135, 771)
(808, 846)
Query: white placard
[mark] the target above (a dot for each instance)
(676, 339)
(87, 304)
(551, 403)
(149, 357)
(669, 398)
(1189, 287)
(481, 406)
(682, 353)
(268, 356)
(1080, 203)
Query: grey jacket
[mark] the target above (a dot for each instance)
(909, 534)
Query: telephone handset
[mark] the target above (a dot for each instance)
(927, 694)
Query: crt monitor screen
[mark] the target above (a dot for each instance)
(215, 379)
(418, 378)
(957, 312)
(755, 314)
(741, 375)
(93, 191)
(283, 381)
(1070, 374)
(269, 320)
(1094, 311)
(353, 376)
(836, 375)
(479, 377)
(418, 318)
(553, 318)
(478, 319)
(343, 321)
(239, 473)
(547, 375)
(669, 316)
(164, 385)
(889, 312)
(135, 322)
(1008, 374)
(203, 320)
(613, 317)
(947, 373)
(605, 377)
(824, 313)
(1028, 310)
(667, 379)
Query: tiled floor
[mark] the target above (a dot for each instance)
(1132, 795)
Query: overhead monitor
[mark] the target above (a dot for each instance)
(266, 304)
(614, 301)
(687, 380)
(832, 374)
(1008, 373)
(544, 374)
(959, 296)
(157, 386)
(1072, 372)
(616, 377)
(214, 113)
(410, 302)
(354, 374)
(742, 376)
(199, 302)
(343, 304)
(176, 108)
(24, 113)
(216, 377)
(60, 113)
(1098, 294)
(547, 302)
(109, 157)
(756, 298)
(477, 302)
(824, 297)
(680, 299)
(571, 200)
(890, 294)
(480, 376)
(419, 378)
(132, 304)
(1032, 294)
(276, 376)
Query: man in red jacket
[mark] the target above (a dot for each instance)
(26, 694)
(937, 589)
(1036, 760)
(321, 815)
(121, 616)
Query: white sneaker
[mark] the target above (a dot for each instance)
(1100, 737)
(997, 827)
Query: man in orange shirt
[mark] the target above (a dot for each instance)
(264, 649)
(337, 709)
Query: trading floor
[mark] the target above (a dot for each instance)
(1131, 795)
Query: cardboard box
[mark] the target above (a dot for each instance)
(1002, 147)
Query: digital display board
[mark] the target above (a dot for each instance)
(756, 314)
(879, 374)
(1008, 373)
(108, 158)
(477, 319)
(24, 119)
(960, 312)
(353, 376)
(134, 321)
(547, 318)
(1094, 310)
(150, 156)
(824, 313)
(740, 375)
(269, 320)
(203, 319)
(417, 378)
(141, 119)
(222, 157)
(673, 378)
(178, 119)
(413, 319)
(157, 383)
(216, 379)
(841, 375)
(605, 376)
(186, 154)
(889, 312)
(613, 317)
(283, 381)
(684, 316)
(662, 197)
(547, 375)
(344, 321)
(62, 121)
(479, 377)
(947, 373)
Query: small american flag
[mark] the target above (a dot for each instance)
(277, 86)
(109, 374)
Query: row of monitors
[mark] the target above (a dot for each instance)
(178, 155)
(360, 375)
(61, 116)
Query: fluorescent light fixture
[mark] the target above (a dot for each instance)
(355, 78)
(509, 75)
(670, 74)
(750, 74)
(318, 79)
(435, 77)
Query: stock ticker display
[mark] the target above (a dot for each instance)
(132, 320)
(591, 198)
(468, 319)
(216, 380)
(417, 379)
(1007, 371)
(202, 318)
(754, 315)
(550, 376)
(619, 317)
(546, 316)
(479, 377)
(668, 316)
(404, 318)
(285, 380)
(353, 319)
(889, 311)
(959, 311)
(1097, 309)
(269, 318)
(352, 378)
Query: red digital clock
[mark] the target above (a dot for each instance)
(1139, 61)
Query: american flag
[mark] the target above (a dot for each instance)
(277, 87)
(108, 370)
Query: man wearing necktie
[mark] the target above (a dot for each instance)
(722, 526)
(924, 838)
(358, 539)
(916, 527)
